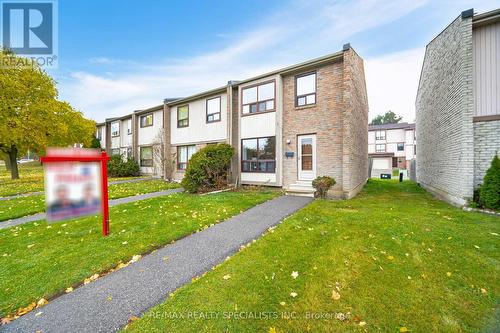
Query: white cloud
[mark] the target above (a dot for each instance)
(392, 82)
(284, 38)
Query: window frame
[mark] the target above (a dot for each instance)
(400, 143)
(315, 89)
(380, 137)
(111, 129)
(258, 160)
(187, 123)
(129, 129)
(144, 116)
(141, 159)
(113, 152)
(256, 85)
(211, 114)
(177, 164)
(380, 151)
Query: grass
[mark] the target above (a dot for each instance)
(396, 257)
(41, 260)
(31, 180)
(18, 207)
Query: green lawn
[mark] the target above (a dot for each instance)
(14, 208)
(41, 260)
(392, 259)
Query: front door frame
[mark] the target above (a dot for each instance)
(307, 175)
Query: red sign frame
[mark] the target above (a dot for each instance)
(103, 160)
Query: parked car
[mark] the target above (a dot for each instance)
(25, 160)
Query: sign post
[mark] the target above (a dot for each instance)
(102, 159)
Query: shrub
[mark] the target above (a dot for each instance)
(208, 168)
(489, 194)
(117, 167)
(322, 185)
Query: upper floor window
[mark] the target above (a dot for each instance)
(115, 129)
(213, 109)
(258, 155)
(147, 120)
(259, 98)
(183, 116)
(305, 89)
(380, 148)
(129, 126)
(146, 156)
(401, 146)
(99, 133)
(184, 154)
(380, 135)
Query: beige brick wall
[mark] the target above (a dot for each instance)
(323, 119)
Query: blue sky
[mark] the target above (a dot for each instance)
(120, 56)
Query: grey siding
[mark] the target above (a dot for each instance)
(444, 111)
(486, 144)
(486, 69)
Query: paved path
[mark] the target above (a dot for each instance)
(113, 202)
(22, 195)
(106, 304)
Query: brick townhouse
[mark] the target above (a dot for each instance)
(390, 147)
(458, 106)
(287, 126)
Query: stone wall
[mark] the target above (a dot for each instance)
(444, 111)
(486, 145)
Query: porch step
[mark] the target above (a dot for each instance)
(300, 188)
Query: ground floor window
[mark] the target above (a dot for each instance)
(380, 148)
(258, 155)
(115, 151)
(129, 152)
(184, 154)
(146, 154)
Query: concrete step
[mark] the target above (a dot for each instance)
(303, 189)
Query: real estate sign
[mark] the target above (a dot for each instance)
(72, 188)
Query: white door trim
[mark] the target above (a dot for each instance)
(306, 175)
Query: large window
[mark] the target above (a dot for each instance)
(183, 116)
(115, 128)
(258, 98)
(146, 154)
(305, 89)
(379, 135)
(184, 154)
(115, 151)
(147, 120)
(99, 133)
(401, 146)
(258, 155)
(380, 148)
(213, 110)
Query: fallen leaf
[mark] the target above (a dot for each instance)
(109, 298)
(226, 277)
(477, 247)
(38, 313)
(69, 289)
(483, 291)
(295, 274)
(133, 318)
(293, 294)
(335, 295)
(362, 323)
(282, 303)
(403, 329)
(135, 258)
(390, 257)
(124, 243)
(41, 302)
(30, 246)
(448, 273)
(272, 330)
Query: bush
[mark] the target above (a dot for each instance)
(322, 185)
(489, 194)
(208, 168)
(117, 167)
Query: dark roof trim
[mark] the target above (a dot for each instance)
(490, 17)
(391, 126)
(154, 108)
(197, 96)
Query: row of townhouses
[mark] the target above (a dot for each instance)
(286, 126)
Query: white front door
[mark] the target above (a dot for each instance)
(306, 157)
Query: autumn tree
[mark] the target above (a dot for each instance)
(31, 116)
(388, 118)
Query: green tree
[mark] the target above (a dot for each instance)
(489, 193)
(388, 118)
(31, 116)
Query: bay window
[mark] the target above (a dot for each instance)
(305, 89)
(184, 154)
(258, 155)
(259, 98)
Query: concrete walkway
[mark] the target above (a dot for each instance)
(113, 202)
(22, 195)
(106, 304)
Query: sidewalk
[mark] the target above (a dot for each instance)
(106, 304)
(113, 202)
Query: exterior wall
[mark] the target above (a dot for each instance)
(393, 137)
(149, 136)
(486, 145)
(260, 125)
(102, 130)
(444, 110)
(125, 138)
(355, 125)
(410, 143)
(199, 130)
(486, 41)
(323, 119)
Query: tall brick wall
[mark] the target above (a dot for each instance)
(355, 125)
(486, 145)
(323, 119)
(444, 111)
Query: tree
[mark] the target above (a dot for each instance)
(489, 193)
(31, 116)
(163, 159)
(388, 118)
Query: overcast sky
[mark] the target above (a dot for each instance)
(119, 56)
